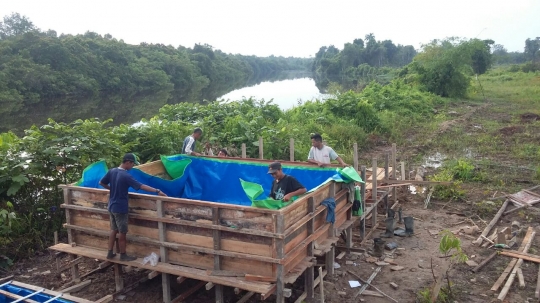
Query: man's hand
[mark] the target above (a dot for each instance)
(162, 194)
(287, 197)
(320, 164)
(345, 164)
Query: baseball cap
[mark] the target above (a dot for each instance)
(130, 157)
(275, 166)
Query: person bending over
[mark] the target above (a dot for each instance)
(284, 186)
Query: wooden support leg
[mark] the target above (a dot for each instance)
(163, 253)
(348, 242)
(363, 202)
(330, 257)
(280, 285)
(118, 277)
(309, 277)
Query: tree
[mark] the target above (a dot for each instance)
(15, 25)
(532, 47)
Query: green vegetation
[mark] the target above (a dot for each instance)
(36, 64)
(360, 62)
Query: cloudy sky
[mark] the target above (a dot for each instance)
(286, 28)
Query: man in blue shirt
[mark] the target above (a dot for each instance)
(188, 147)
(118, 181)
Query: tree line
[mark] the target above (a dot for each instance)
(35, 64)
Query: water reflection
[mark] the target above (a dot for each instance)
(132, 107)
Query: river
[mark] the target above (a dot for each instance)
(286, 91)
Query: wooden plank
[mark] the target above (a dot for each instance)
(394, 152)
(246, 297)
(512, 263)
(69, 265)
(368, 282)
(118, 280)
(106, 299)
(153, 274)
(291, 149)
(225, 273)
(216, 238)
(521, 255)
(188, 292)
(178, 270)
(244, 154)
(76, 288)
(261, 149)
(146, 240)
(249, 277)
(486, 261)
(520, 278)
(512, 276)
(492, 223)
(15, 297)
(315, 283)
(537, 291)
(50, 292)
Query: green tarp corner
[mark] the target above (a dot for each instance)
(175, 168)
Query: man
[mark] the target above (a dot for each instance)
(321, 154)
(188, 147)
(284, 187)
(118, 181)
(208, 151)
(223, 153)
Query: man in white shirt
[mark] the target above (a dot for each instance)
(321, 154)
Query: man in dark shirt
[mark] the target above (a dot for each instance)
(284, 186)
(118, 181)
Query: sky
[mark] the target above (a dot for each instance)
(286, 28)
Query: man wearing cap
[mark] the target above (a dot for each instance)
(284, 186)
(188, 147)
(118, 181)
(321, 154)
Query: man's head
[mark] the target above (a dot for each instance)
(316, 140)
(129, 161)
(275, 170)
(223, 153)
(197, 133)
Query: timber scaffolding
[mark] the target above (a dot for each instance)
(252, 249)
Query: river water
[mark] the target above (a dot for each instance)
(285, 93)
(131, 108)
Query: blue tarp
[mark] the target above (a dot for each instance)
(215, 179)
(23, 292)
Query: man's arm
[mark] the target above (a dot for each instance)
(335, 156)
(189, 147)
(298, 188)
(311, 159)
(153, 190)
(105, 181)
(104, 185)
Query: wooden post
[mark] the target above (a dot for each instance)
(330, 255)
(261, 150)
(71, 236)
(217, 246)
(386, 176)
(280, 252)
(164, 254)
(374, 193)
(363, 202)
(56, 236)
(403, 171)
(537, 291)
(119, 281)
(310, 271)
(291, 150)
(355, 157)
(321, 285)
(244, 150)
(394, 151)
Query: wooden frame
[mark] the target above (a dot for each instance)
(202, 235)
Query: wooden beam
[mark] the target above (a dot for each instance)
(15, 297)
(259, 278)
(77, 287)
(180, 279)
(106, 299)
(209, 285)
(246, 297)
(163, 253)
(368, 282)
(244, 155)
(537, 291)
(511, 265)
(486, 261)
(416, 182)
(224, 273)
(315, 283)
(492, 223)
(261, 150)
(512, 276)
(521, 255)
(119, 281)
(153, 274)
(188, 293)
(394, 152)
(291, 150)
(520, 278)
